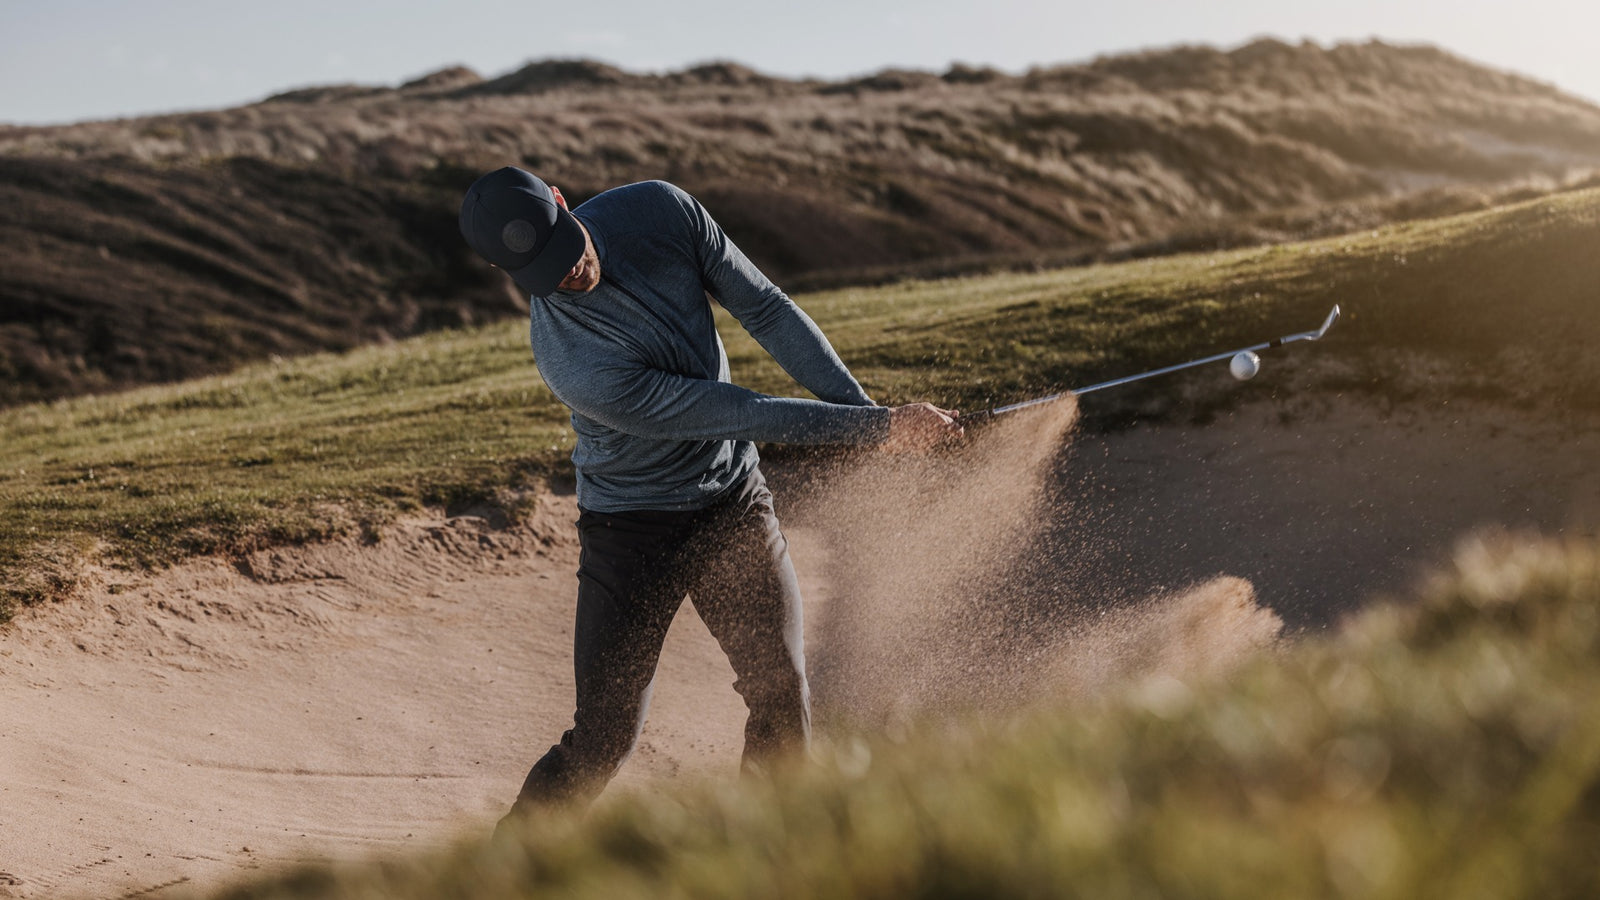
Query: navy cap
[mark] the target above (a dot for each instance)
(512, 219)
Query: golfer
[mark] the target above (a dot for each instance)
(671, 502)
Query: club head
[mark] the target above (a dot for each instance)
(1333, 316)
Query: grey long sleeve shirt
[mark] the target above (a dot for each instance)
(639, 362)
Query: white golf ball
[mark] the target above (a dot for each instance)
(1244, 366)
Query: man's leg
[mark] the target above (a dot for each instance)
(749, 599)
(627, 595)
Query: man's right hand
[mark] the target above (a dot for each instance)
(920, 426)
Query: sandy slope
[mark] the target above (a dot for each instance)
(339, 701)
(199, 725)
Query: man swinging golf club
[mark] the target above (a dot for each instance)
(671, 501)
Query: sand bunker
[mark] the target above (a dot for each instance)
(177, 731)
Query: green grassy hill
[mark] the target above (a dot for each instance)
(1497, 306)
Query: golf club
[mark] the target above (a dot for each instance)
(979, 418)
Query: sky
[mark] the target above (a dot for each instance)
(69, 60)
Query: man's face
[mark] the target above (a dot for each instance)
(585, 273)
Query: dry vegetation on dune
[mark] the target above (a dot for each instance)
(324, 217)
(118, 274)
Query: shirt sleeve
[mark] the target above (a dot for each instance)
(782, 328)
(651, 403)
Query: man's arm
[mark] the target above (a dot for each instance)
(652, 403)
(767, 313)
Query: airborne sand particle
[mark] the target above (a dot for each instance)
(930, 613)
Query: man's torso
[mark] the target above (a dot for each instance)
(650, 309)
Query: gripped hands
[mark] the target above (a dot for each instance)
(920, 426)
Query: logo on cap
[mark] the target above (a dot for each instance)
(519, 236)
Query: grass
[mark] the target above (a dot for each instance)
(1499, 305)
(1448, 747)
(283, 452)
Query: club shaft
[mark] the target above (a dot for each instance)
(1129, 379)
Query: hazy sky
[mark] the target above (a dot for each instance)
(64, 60)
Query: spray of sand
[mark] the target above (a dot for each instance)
(931, 610)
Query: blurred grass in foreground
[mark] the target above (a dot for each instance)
(1448, 747)
(1502, 306)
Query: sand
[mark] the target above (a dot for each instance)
(340, 701)
(176, 731)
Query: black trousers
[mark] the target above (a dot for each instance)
(636, 567)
